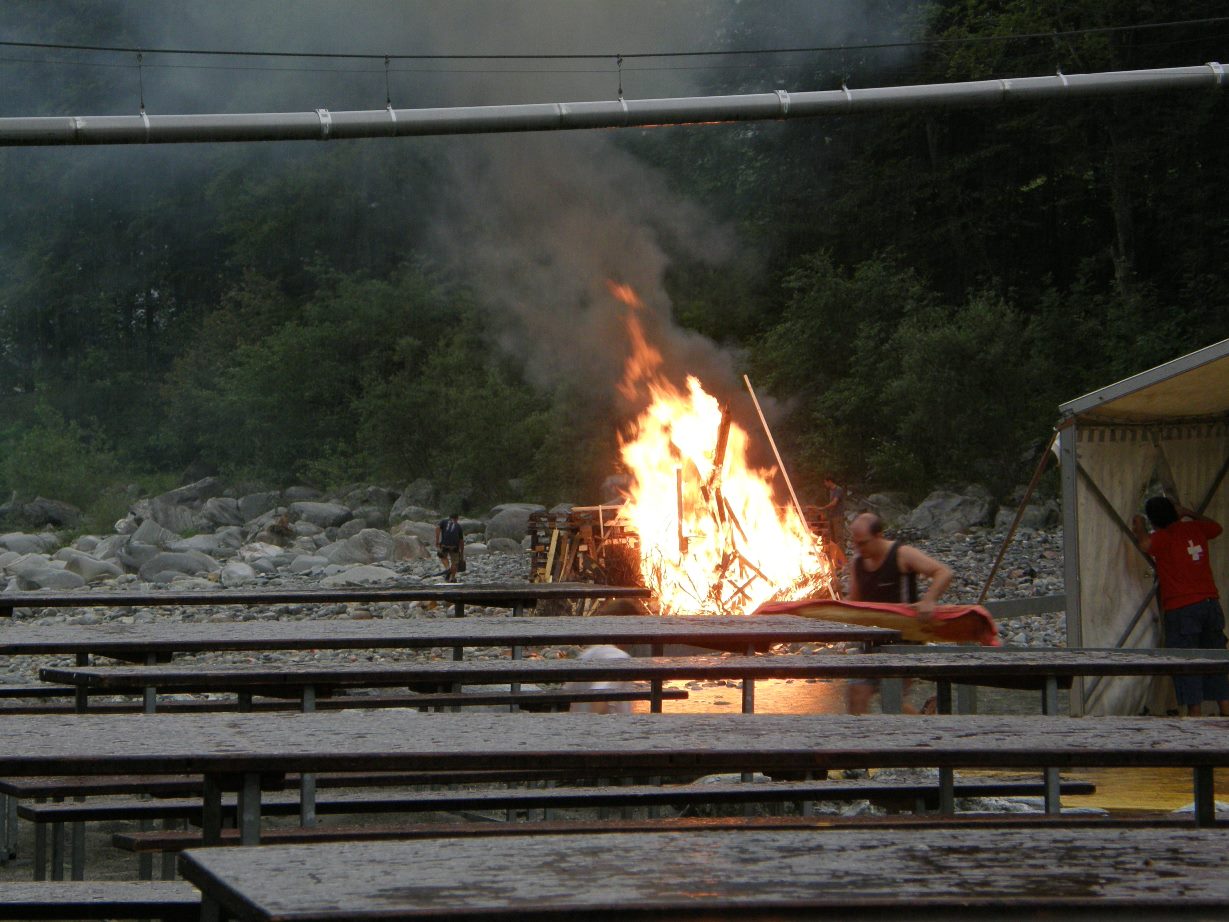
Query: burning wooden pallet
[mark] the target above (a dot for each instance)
(585, 544)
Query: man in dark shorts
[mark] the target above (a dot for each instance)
(887, 571)
(1178, 547)
(834, 512)
(450, 545)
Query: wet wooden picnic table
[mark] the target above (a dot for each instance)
(139, 641)
(234, 750)
(935, 874)
(1034, 668)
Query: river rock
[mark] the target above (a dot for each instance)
(306, 563)
(254, 505)
(49, 578)
(300, 494)
(503, 546)
(222, 510)
(237, 573)
(22, 543)
(368, 546)
(191, 562)
(408, 547)
(510, 520)
(326, 515)
(423, 531)
(360, 576)
(150, 532)
(89, 568)
(944, 512)
(192, 494)
(43, 511)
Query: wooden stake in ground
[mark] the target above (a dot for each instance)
(780, 464)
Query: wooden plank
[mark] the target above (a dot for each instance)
(502, 595)
(966, 666)
(727, 874)
(589, 797)
(397, 740)
(118, 640)
(99, 900)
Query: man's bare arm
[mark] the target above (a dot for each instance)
(1140, 532)
(940, 576)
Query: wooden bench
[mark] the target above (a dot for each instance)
(918, 796)
(176, 841)
(1041, 669)
(170, 901)
(527, 700)
(741, 873)
(235, 751)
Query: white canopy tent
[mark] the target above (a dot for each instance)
(1168, 426)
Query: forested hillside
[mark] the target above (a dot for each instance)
(918, 291)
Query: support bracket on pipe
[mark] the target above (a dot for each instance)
(784, 97)
(848, 95)
(145, 122)
(392, 118)
(1063, 78)
(326, 123)
(1219, 70)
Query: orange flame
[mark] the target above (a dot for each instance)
(712, 540)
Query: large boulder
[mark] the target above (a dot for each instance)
(257, 504)
(421, 492)
(891, 507)
(360, 576)
(326, 515)
(49, 578)
(237, 573)
(423, 531)
(150, 532)
(510, 520)
(88, 567)
(42, 511)
(408, 547)
(192, 563)
(1035, 515)
(171, 516)
(300, 494)
(382, 497)
(368, 546)
(192, 494)
(504, 546)
(222, 510)
(945, 512)
(22, 543)
(135, 554)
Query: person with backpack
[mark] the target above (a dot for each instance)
(450, 546)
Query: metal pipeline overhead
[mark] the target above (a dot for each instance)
(323, 125)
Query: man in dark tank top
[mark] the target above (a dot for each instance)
(887, 571)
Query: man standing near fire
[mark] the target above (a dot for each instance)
(1178, 547)
(887, 571)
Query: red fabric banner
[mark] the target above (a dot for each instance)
(949, 624)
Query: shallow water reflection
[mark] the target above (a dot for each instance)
(1118, 789)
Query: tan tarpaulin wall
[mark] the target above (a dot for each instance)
(1169, 427)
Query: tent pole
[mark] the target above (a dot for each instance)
(1015, 523)
(1071, 550)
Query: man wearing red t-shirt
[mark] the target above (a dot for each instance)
(1178, 547)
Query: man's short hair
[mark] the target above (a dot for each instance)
(1160, 511)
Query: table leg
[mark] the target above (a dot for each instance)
(11, 821)
(78, 851)
(748, 695)
(57, 849)
(892, 695)
(151, 693)
(515, 687)
(655, 685)
(81, 697)
(1205, 796)
(40, 846)
(249, 809)
(307, 780)
(168, 858)
(947, 791)
(211, 812)
(518, 609)
(943, 697)
(1049, 706)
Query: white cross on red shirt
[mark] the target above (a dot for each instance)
(1195, 550)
